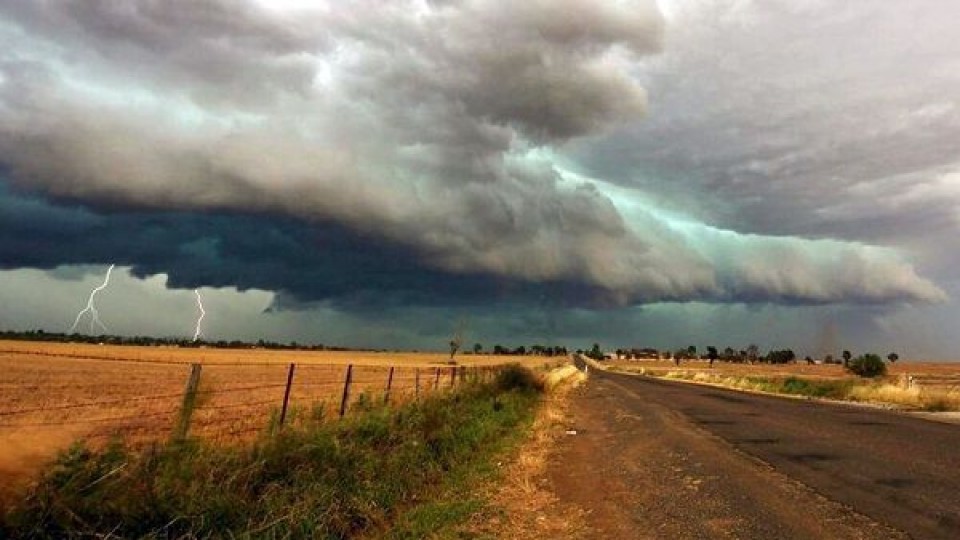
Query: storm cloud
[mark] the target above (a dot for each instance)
(431, 152)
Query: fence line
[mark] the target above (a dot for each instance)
(210, 395)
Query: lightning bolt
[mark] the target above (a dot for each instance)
(91, 309)
(196, 333)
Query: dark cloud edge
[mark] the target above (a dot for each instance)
(308, 264)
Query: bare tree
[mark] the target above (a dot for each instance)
(457, 341)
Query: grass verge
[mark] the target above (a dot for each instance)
(383, 469)
(880, 391)
(519, 503)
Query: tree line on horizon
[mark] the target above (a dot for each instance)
(750, 355)
(150, 341)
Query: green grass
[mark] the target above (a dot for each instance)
(385, 469)
(798, 386)
(824, 388)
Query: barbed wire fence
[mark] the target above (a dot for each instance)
(220, 401)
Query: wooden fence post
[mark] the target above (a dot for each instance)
(416, 384)
(189, 404)
(346, 390)
(436, 379)
(386, 395)
(286, 394)
(453, 376)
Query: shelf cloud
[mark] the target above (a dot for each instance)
(421, 151)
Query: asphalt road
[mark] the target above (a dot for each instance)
(660, 459)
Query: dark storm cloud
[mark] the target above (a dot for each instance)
(305, 263)
(315, 262)
(419, 140)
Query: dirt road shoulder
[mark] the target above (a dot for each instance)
(639, 470)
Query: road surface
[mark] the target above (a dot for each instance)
(661, 459)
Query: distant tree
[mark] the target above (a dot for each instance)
(712, 354)
(595, 352)
(809, 360)
(846, 358)
(893, 357)
(828, 359)
(454, 347)
(456, 342)
(520, 351)
(752, 353)
(477, 348)
(781, 357)
(868, 365)
(729, 354)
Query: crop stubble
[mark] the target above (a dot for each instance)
(54, 393)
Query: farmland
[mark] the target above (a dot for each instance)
(926, 373)
(927, 386)
(56, 393)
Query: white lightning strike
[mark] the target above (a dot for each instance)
(196, 333)
(94, 315)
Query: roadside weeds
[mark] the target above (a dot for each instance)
(521, 504)
(931, 404)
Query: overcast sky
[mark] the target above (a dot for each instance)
(379, 173)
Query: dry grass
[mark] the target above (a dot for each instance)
(934, 386)
(56, 393)
(249, 356)
(800, 369)
(931, 399)
(659, 367)
(527, 508)
(560, 379)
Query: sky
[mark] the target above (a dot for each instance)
(382, 174)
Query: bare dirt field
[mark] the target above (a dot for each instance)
(54, 394)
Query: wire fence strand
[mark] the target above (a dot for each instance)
(315, 392)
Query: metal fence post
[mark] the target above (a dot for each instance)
(346, 390)
(286, 394)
